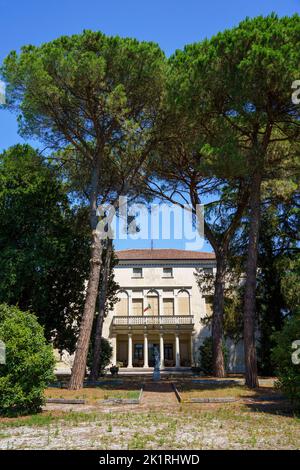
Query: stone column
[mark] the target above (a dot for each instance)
(146, 363)
(161, 350)
(129, 351)
(114, 351)
(177, 350)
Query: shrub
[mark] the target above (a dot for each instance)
(206, 356)
(29, 362)
(287, 372)
(105, 354)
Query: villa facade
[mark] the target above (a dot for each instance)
(160, 306)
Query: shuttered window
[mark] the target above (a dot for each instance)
(137, 307)
(121, 307)
(183, 305)
(152, 302)
(168, 306)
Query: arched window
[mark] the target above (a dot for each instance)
(183, 302)
(121, 307)
(151, 307)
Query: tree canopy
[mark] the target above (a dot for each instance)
(44, 244)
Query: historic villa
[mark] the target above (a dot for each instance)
(160, 304)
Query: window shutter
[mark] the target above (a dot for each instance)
(168, 306)
(121, 308)
(137, 307)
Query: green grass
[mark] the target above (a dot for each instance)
(202, 390)
(130, 395)
(92, 394)
(45, 419)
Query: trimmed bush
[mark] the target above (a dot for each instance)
(206, 356)
(29, 362)
(288, 373)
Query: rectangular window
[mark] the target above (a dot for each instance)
(137, 272)
(168, 352)
(138, 351)
(183, 305)
(121, 308)
(168, 306)
(137, 307)
(167, 272)
(151, 307)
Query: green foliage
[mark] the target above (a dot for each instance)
(288, 373)
(290, 281)
(206, 356)
(43, 244)
(278, 274)
(29, 362)
(105, 355)
(98, 98)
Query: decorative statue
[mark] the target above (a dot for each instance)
(156, 358)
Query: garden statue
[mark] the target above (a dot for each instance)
(156, 373)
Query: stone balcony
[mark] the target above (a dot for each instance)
(155, 321)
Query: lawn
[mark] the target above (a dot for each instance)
(207, 389)
(92, 394)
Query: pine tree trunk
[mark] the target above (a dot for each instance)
(217, 320)
(95, 370)
(250, 286)
(82, 346)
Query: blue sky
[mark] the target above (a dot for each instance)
(170, 23)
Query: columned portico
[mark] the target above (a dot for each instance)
(135, 348)
(136, 338)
